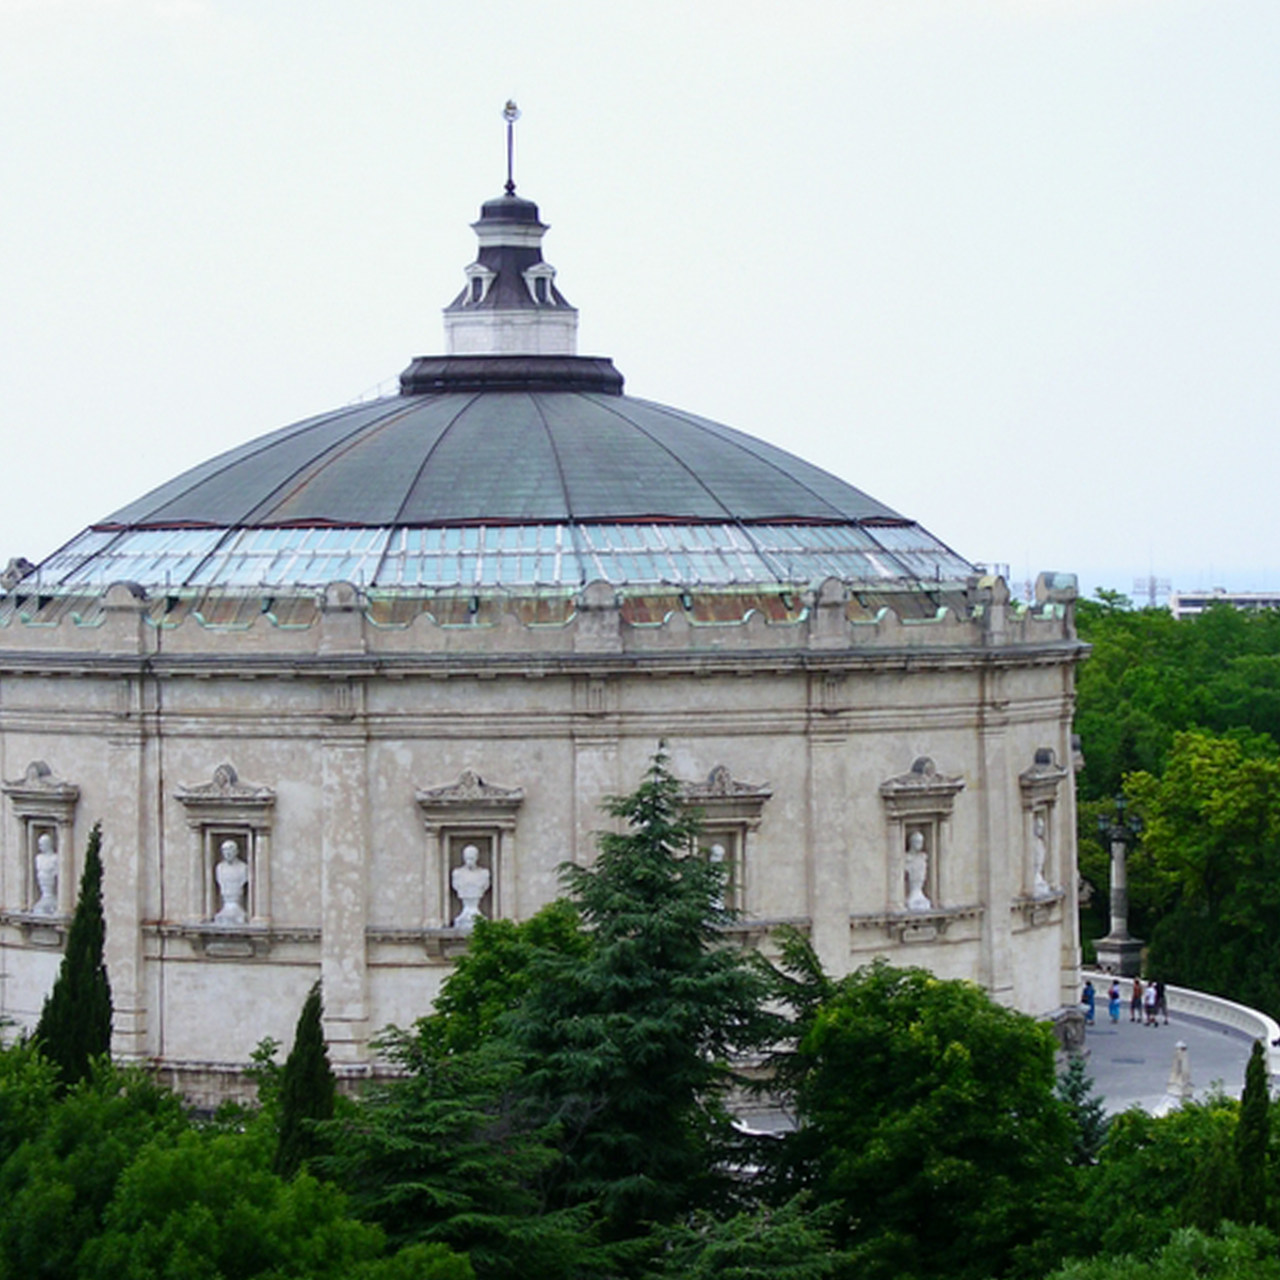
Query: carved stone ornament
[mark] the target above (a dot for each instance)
(920, 791)
(470, 792)
(721, 797)
(227, 799)
(1040, 782)
(40, 793)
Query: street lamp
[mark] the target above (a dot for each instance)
(1118, 952)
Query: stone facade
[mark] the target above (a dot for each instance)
(352, 752)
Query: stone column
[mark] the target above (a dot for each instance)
(997, 825)
(129, 844)
(344, 896)
(828, 841)
(1119, 952)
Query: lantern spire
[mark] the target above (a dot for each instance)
(510, 113)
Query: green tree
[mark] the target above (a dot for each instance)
(306, 1089)
(443, 1155)
(56, 1186)
(1253, 1137)
(792, 1242)
(1212, 841)
(928, 1117)
(1088, 1115)
(75, 1024)
(1159, 1174)
(28, 1092)
(628, 1047)
(208, 1206)
(496, 971)
(1234, 1253)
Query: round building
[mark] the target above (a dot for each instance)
(337, 692)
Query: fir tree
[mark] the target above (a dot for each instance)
(75, 1024)
(306, 1089)
(1253, 1133)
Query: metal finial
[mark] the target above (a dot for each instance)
(510, 113)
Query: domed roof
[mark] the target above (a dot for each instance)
(511, 462)
(505, 457)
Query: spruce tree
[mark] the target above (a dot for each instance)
(1253, 1133)
(306, 1089)
(75, 1024)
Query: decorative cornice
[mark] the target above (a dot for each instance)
(1040, 781)
(470, 792)
(226, 798)
(40, 790)
(922, 789)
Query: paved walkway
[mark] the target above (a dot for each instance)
(1130, 1062)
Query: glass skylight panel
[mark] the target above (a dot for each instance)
(506, 555)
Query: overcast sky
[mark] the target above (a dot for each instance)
(1010, 266)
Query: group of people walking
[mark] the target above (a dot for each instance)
(1147, 1002)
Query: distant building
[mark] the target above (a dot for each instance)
(1186, 604)
(340, 690)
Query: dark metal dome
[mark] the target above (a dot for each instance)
(507, 471)
(498, 456)
(511, 471)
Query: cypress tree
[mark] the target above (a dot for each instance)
(75, 1024)
(1253, 1132)
(306, 1089)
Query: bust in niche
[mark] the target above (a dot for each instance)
(470, 882)
(46, 864)
(916, 861)
(1040, 851)
(716, 855)
(232, 875)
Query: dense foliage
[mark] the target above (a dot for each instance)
(929, 1117)
(75, 1025)
(307, 1090)
(1184, 718)
(561, 1115)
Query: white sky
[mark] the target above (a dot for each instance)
(1010, 266)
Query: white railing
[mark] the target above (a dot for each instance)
(1198, 1004)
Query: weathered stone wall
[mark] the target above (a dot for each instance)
(362, 754)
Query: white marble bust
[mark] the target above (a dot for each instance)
(916, 861)
(717, 856)
(46, 876)
(232, 875)
(470, 882)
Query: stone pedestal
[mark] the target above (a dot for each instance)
(1120, 955)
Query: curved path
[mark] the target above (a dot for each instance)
(1130, 1062)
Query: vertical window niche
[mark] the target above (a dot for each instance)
(44, 807)
(461, 886)
(472, 889)
(918, 807)
(1041, 861)
(723, 846)
(730, 811)
(231, 823)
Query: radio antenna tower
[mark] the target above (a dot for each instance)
(1152, 588)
